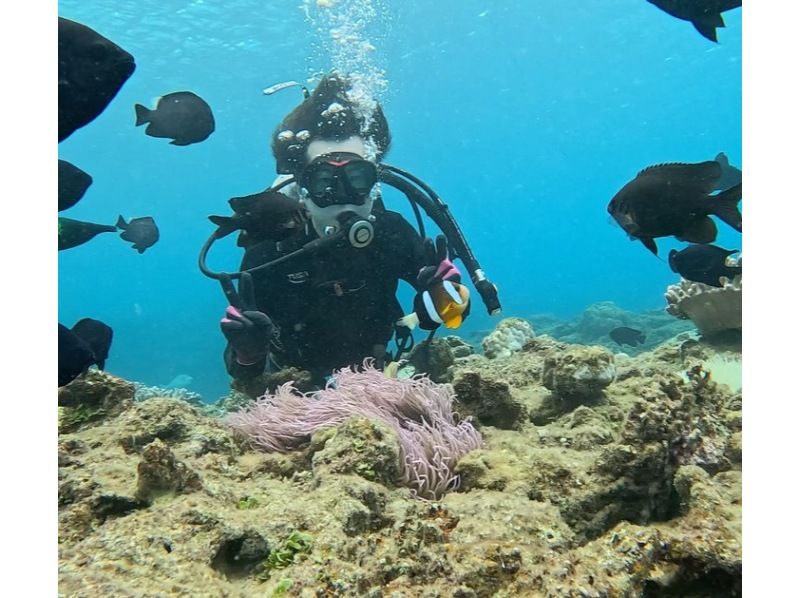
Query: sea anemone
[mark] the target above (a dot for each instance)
(417, 409)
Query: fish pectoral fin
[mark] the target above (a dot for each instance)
(702, 230)
(410, 321)
(650, 243)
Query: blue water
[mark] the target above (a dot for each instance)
(525, 118)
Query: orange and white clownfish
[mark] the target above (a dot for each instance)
(446, 303)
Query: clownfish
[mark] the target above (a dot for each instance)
(444, 303)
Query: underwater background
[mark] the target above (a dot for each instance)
(526, 118)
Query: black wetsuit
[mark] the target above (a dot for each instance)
(334, 306)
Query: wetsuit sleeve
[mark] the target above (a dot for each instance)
(411, 253)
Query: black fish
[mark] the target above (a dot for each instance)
(673, 200)
(731, 176)
(181, 116)
(97, 336)
(627, 336)
(91, 70)
(269, 215)
(703, 263)
(72, 184)
(705, 15)
(72, 233)
(74, 355)
(142, 232)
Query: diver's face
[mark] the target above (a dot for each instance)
(337, 179)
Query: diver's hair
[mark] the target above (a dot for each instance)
(327, 114)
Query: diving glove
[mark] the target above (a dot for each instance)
(248, 330)
(441, 298)
(440, 267)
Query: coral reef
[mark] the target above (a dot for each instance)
(144, 392)
(593, 325)
(636, 494)
(233, 401)
(507, 337)
(714, 310)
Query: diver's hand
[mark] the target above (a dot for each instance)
(439, 266)
(247, 330)
(440, 298)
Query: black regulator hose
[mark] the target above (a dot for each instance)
(355, 231)
(438, 211)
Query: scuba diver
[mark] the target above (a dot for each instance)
(323, 256)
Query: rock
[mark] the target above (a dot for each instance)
(508, 337)
(579, 374)
(256, 387)
(489, 400)
(174, 421)
(459, 346)
(733, 450)
(159, 472)
(92, 398)
(433, 358)
(359, 447)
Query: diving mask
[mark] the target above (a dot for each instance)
(338, 178)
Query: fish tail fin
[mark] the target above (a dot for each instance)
(708, 27)
(454, 322)
(410, 321)
(142, 114)
(121, 223)
(726, 206)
